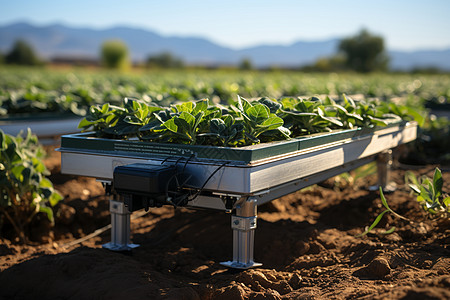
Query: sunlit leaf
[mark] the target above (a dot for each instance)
(375, 223)
(437, 183)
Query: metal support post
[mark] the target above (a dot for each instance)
(384, 165)
(243, 224)
(120, 227)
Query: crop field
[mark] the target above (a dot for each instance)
(24, 90)
(333, 240)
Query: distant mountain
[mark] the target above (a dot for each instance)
(62, 41)
(420, 59)
(297, 54)
(58, 40)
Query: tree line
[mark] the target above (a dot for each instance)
(363, 52)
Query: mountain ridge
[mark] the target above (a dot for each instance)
(58, 40)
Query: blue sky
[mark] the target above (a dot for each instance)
(405, 25)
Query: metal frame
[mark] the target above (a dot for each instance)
(251, 178)
(241, 188)
(244, 218)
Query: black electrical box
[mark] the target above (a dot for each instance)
(143, 179)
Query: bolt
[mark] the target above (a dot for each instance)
(236, 222)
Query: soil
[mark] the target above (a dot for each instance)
(307, 242)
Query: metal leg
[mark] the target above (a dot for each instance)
(384, 164)
(120, 227)
(243, 224)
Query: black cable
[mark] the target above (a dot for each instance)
(185, 164)
(179, 187)
(210, 176)
(166, 159)
(175, 176)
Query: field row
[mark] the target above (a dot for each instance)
(27, 90)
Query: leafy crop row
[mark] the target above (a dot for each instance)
(239, 124)
(39, 90)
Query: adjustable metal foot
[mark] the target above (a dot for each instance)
(120, 228)
(243, 225)
(384, 165)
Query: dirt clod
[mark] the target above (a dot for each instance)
(379, 268)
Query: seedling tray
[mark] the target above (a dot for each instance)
(244, 171)
(243, 155)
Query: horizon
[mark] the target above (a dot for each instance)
(417, 27)
(212, 41)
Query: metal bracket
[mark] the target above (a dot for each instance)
(120, 227)
(384, 165)
(229, 202)
(243, 225)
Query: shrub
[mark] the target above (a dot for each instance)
(21, 54)
(164, 60)
(24, 189)
(114, 55)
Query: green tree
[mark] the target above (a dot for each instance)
(364, 52)
(245, 64)
(114, 55)
(21, 54)
(164, 60)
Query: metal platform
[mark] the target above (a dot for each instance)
(234, 186)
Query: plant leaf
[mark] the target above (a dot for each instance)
(389, 231)
(415, 188)
(243, 104)
(271, 123)
(375, 223)
(383, 200)
(200, 106)
(271, 104)
(190, 120)
(258, 113)
(446, 202)
(170, 124)
(437, 183)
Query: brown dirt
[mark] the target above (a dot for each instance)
(306, 241)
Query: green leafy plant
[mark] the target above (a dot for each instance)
(258, 119)
(100, 117)
(242, 123)
(307, 116)
(380, 216)
(183, 123)
(24, 189)
(429, 193)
